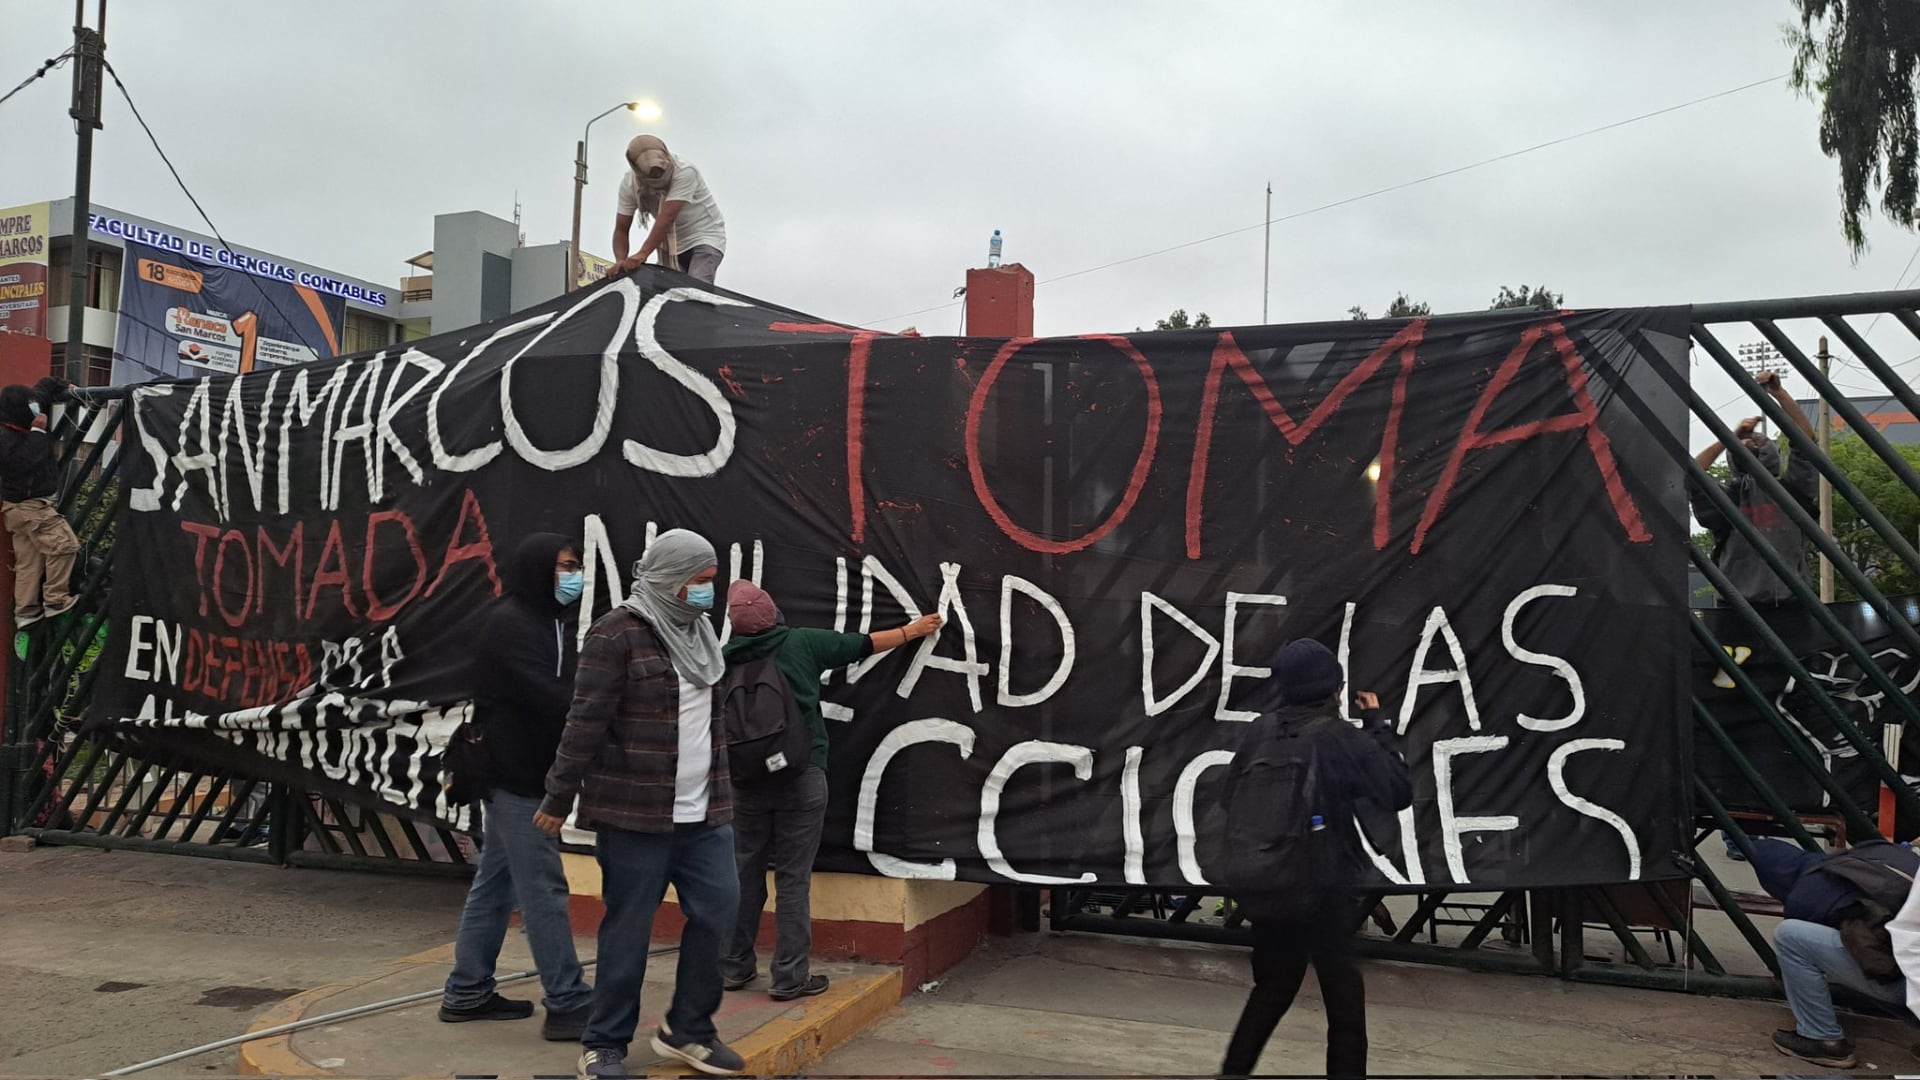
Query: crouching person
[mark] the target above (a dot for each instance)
(641, 753)
(1296, 860)
(522, 671)
(1839, 930)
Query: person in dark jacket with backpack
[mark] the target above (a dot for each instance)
(1744, 564)
(44, 547)
(1834, 933)
(1296, 783)
(522, 670)
(778, 819)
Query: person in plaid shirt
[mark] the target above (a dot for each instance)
(642, 753)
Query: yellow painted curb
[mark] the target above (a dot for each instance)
(783, 1046)
(274, 1055)
(787, 1044)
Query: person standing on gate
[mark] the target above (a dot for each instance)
(688, 230)
(1746, 568)
(781, 797)
(1296, 860)
(1738, 557)
(44, 547)
(521, 668)
(641, 753)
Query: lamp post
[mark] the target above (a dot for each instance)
(580, 187)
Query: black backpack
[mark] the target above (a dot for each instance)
(1282, 864)
(767, 737)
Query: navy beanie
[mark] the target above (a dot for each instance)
(1306, 672)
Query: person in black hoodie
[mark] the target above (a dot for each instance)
(522, 671)
(44, 547)
(1304, 760)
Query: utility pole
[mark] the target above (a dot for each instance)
(1826, 486)
(1266, 266)
(89, 54)
(575, 263)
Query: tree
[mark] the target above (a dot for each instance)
(1889, 495)
(1527, 297)
(1858, 58)
(1401, 308)
(1178, 321)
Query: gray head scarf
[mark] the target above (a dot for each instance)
(673, 558)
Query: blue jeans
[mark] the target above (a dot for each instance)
(518, 863)
(635, 870)
(1812, 957)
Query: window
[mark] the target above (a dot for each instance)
(98, 360)
(103, 277)
(364, 333)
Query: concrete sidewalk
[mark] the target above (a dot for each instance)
(776, 1038)
(1082, 1005)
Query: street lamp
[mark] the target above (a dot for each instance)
(646, 110)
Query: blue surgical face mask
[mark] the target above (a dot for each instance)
(33, 407)
(569, 586)
(700, 596)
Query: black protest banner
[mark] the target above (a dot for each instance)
(1118, 529)
(1858, 698)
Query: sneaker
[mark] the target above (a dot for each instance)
(61, 609)
(565, 1026)
(494, 1008)
(731, 983)
(716, 1057)
(602, 1064)
(815, 985)
(1833, 1053)
(22, 621)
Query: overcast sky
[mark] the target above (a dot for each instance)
(863, 152)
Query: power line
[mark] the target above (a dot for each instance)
(211, 227)
(51, 63)
(1380, 191)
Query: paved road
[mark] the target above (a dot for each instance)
(1073, 1005)
(112, 958)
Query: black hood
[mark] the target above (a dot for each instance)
(530, 573)
(1769, 455)
(14, 405)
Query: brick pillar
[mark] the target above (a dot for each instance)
(1000, 302)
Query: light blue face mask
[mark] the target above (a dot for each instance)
(700, 596)
(569, 586)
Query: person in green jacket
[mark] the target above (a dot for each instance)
(780, 825)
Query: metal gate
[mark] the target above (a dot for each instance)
(1656, 935)
(65, 784)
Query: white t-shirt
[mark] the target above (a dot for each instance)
(699, 221)
(696, 753)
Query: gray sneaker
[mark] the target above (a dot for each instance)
(713, 1057)
(603, 1064)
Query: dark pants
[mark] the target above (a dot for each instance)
(778, 827)
(635, 870)
(1281, 952)
(701, 261)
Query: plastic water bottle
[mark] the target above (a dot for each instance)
(993, 250)
(1317, 823)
